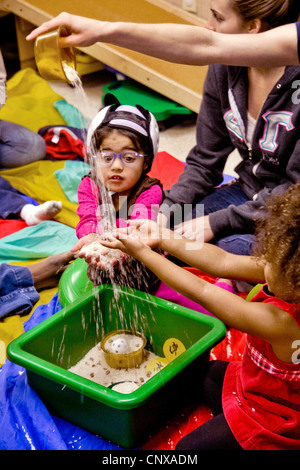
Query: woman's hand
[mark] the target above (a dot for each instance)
(128, 240)
(147, 230)
(82, 31)
(140, 234)
(197, 229)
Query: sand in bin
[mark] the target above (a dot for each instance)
(93, 366)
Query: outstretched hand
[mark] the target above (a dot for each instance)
(46, 273)
(147, 230)
(139, 235)
(80, 30)
(126, 240)
(197, 229)
(83, 243)
(92, 249)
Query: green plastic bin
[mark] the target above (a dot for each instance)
(74, 282)
(51, 348)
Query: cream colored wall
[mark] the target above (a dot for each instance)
(202, 7)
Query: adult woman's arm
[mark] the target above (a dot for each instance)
(186, 44)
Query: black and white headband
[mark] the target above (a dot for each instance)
(133, 118)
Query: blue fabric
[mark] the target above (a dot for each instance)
(28, 199)
(25, 423)
(223, 196)
(17, 293)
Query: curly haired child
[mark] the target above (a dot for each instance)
(256, 401)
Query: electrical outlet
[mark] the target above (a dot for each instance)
(190, 5)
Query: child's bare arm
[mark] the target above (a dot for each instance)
(204, 256)
(212, 259)
(262, 320)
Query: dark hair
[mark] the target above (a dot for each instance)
(277, 237)
(272, 13)
(140, 144)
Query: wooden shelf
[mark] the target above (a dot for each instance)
(181, 83)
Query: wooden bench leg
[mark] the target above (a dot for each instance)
(26, 48)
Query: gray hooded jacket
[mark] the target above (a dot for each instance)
(270, 164)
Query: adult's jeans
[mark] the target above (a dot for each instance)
(17, 292)
(222, 197)
(19, 145)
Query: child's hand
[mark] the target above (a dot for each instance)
(102, 257)
(127, 240)
(92, 237)
(139, 234)
(92, 250)
(147, 230)
(111, 259)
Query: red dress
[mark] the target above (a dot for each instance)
(261, 394)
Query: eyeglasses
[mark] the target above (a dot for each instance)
(128, 157)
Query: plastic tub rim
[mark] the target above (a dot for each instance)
(91, 389)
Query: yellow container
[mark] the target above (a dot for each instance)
(50, 57)
(126, 360)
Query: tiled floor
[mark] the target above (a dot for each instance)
(177, 140)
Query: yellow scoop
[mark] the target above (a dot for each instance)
(51, 58)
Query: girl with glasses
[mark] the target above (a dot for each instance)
(122, 142)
